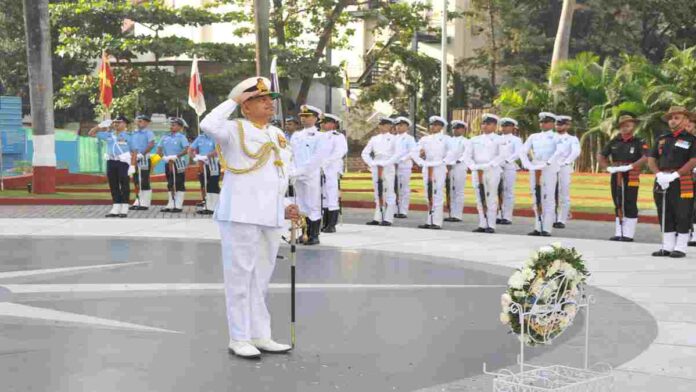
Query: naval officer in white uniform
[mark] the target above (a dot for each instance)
(251, 211)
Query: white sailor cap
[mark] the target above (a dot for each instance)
(330, 117)
(257, 83)
(563, 119)
(490, 117)
(546, 116)
(402, 119)
(436, 119)
(386, 120)
(309, 110)
(508, 121)
(459, 123)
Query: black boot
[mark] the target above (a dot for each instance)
(324, 219)
(332, 218)
(313, 228)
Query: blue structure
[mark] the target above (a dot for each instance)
(14, 140)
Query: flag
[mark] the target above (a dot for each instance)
(346, 87)
(275, 87)
(195, 95)
(106, 82)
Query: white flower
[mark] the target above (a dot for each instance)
(556, 244)
(563, 323)
(571, 310)
(528, 274)
(555, 266)
(505, 318)
(505, 300)
(529, 263)
(535, 289)
(545, 249)
(519, 294)
(516, 281)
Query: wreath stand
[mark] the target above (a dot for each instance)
(556, 378)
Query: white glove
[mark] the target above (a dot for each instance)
(200, 158)
(105, 124)
(140, 156)
(474, 167)
(663, 183)
(626, 168)
(612, 169)
(170, 158)
(131, 170)
(484, 166)
(671, 177)
(540, 166)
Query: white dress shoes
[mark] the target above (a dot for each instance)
(269, 346)
(243, 349)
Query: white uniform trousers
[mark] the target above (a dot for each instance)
(435, 215)
(308, 191)
(491, 180)
(248, 259)
(329, 192)
(457, 184)
(387, 212)
(403, 174)
(564, 193)
(508, 179)
(548, 197)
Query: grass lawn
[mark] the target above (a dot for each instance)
(589, 192)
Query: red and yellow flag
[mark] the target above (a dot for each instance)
(106, 82)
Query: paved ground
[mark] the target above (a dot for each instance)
(521, 225)
(643, 324)
(353, 333)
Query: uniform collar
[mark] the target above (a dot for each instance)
(677, 133)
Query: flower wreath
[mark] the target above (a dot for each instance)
(544, 293)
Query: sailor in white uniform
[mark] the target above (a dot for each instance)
(310, 150)
(457, 170)
(251, 211)
(512, 148)
(542, 173)
(380, 154)
(568, 150)
(484, 157)
(431, 155)
(404, 166)
(332, 169)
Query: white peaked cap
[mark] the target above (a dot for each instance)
(490, 116)
(256, 83)
(434, 119)
(544, 115)
(509, 120)
(402, 119)
(457, 123)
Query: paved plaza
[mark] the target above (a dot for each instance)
(137, 304)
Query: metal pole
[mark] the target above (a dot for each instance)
(443, 63)
(2, 166)
(261, 20)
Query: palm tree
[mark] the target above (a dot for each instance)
(562, 44)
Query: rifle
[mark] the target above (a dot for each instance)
(380, 190)
(448, 200)
(537, 195)
(482, 195)
(501, 189)
(430, 194)
(172, 170)
(204, 188)
(396, 187)
(620, 210)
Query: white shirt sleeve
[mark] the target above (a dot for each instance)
(524, 152)
(366, 153)
(415, 153)
(574, 150)
(216, 123)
